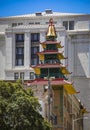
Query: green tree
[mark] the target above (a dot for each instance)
(19, 109)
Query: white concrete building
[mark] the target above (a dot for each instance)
(20, 38)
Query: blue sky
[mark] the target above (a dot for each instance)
(18, 7)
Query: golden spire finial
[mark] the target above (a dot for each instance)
(51, 29)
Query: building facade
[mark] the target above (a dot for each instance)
(19, 42)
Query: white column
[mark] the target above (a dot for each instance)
(27, 50)
(9, 50)
(13, 50)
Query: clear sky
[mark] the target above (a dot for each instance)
(18, 7)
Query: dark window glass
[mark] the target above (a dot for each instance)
(32, 75)
(65, 24)
(31, 23)
(22, 75)
(19, 56)
(20, 37)
(19, 62)
(47, 22)
(20, 50)
(14, 24)
(16, 76)
(20, 23)
(34, 60)
(37, 22)
(34, 50)
(71, 25)
(35, 37)
(34, 56)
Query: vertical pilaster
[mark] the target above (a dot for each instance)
(13, 50)
(9, 50)
(27, 50)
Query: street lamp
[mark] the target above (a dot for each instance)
(74, 120)
(49, 97)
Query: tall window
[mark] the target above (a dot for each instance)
(34, 56)
(65, 24)
(35, 37)
(71, 25)
(19, 56)
(19, 50)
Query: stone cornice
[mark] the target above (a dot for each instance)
(54, 14)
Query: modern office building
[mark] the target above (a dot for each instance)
(20, 38)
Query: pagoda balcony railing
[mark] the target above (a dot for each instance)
(56, 75)
(53, 61)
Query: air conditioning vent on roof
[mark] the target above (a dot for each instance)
(38, 13)
(48, 11)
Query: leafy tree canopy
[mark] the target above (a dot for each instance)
(19, 109)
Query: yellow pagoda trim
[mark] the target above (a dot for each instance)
(84, 110)
(70, 89)
(44, 46)
(61, 56)
(41, 56)
(58, 46)
(64, 70)
(37, 70)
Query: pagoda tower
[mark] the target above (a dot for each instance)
(50, 65)
(51, 75)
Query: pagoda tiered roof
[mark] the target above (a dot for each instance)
(52, 42)
(60, 54)
(54, 65)
(54, 83)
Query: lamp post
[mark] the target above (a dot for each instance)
(49, 95)
(74, 120)
(49, 92)
(49, 78)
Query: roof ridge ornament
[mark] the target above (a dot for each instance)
(51, 32)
